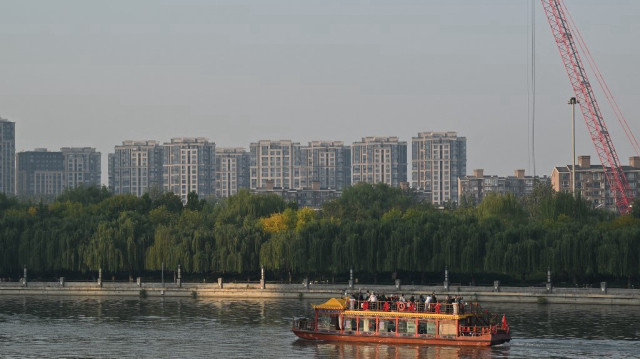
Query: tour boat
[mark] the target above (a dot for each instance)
(349, 320)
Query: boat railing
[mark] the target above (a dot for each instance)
(416, 306)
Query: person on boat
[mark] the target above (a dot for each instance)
(448, 302)
(427, 303)
(402, 298)
(382, 298)
(372, 297)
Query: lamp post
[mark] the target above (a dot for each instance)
(573, 102)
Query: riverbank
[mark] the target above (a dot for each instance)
(609, 296)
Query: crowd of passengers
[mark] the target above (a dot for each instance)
(430, 303)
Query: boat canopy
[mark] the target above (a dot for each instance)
(333, 303)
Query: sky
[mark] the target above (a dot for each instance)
(96, 73)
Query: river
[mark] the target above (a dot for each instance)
(106, 327)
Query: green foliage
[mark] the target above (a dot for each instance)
(371, 228)
(363, 201)
(635, 209)
(85, 195)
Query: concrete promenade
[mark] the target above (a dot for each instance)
(610, 296)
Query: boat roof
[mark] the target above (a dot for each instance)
(333, 303)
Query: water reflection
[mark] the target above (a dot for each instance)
(383, 351)
(238, 327)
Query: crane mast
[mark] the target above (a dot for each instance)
(555, 12)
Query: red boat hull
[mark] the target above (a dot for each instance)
(479, 341)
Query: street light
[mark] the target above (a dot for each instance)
(573, 102)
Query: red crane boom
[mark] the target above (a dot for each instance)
(555, 11)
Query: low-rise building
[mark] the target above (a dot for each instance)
(591, 181)
(312, 197)
(474, 188)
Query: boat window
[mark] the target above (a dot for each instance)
(407, 326)
(427, 326)
(447, 327)
(349, 324)
(387, 326)
(328, 322)
(367, 325)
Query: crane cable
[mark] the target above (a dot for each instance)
(603, 85)
(531, 86)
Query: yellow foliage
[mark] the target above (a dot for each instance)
(33, 211)
(304, 216)
(276, 223)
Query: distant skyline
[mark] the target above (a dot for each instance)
(77, 73)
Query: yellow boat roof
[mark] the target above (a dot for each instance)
(333, 303)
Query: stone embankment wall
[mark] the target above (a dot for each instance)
(604, 295)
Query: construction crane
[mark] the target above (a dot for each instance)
(556, 13)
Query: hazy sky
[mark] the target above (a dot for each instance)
(95, 73)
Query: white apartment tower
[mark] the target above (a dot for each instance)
(189, 166)
(232, 171)
(135, 167)
(379, 160)
(7, 156)
(327, 163)
(438, 160)
(81, 166)
(277, 162)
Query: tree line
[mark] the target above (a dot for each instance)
(373, 229)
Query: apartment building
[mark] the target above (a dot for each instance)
(81, 166)
(7, 156)
(232, 171)
(438, 160)
(379, 160)
(277, 161)
(39, 174)
(136, 167)
(189, 166)
(326, 163)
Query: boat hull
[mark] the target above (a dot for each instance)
(478, 341)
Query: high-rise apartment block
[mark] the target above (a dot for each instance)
(277, 161)
(326, 163)
(379, 160)
(39, 174)
(135, 167)
(591, 181)
(438, 160)
(81, 166)
(7, 156)
(232, 171)
(474, 188)
(189, 166)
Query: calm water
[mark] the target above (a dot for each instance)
(75, 327)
